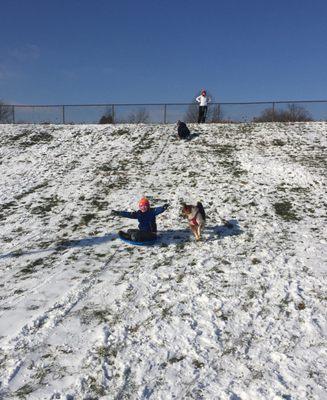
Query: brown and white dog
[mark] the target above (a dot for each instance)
(196, 218)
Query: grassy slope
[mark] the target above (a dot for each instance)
(238, 314)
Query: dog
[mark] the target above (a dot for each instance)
(196, 218)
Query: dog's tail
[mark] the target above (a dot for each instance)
(201, 209)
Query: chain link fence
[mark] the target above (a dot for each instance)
(283, 111)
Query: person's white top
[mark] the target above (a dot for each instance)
(203, 100)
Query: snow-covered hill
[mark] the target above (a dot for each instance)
(240, 315)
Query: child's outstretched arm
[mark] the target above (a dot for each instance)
(159, 210)
(125, 214)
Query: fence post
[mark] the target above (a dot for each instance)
(273, 112)
(13, 114)
(165, 114)
(63, 115)
(113, 113)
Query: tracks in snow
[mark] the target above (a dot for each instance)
(33, 334)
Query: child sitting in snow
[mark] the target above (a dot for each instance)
(146, 217)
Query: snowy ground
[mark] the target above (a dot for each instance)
(240, 315)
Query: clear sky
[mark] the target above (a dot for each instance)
(157, 51)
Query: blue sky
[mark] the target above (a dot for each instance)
(156, 51)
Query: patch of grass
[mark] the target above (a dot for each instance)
(84, 271)
(30, 268)
(237, 172)
(281, 188)
(32, 308)
(174, 360)
(224, 317)
(300, 306)
(120, 132)
(15, 138)
(134, 329)
(100, 315)
(3, 357)
(197, 364)
(47, 206)
(299, 189)
(45, 244)
(278, 142)
(8, 206)
(225, 155)
(95, 386)
(224, 149)
(255, 261)
(19, 291)
(87, 218)
(251, 293)
(16, 253)
(104, 351)
(180, 277)
(180, 246)
(285, 210)
(294, 189)
(101, 205)
(42, 372)
(217, 270)
(257, 374)
(246, 128)
(48, 355)
(40, 137)
(229, 350)
(23, 391)
(65, 350)
(32, 190)
(100, 255)
(106, 167)
(284, 303)
(166, 312)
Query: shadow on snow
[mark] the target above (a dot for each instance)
(167, 237)
(210, 233)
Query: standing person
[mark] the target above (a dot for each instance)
(146, 217)
(203, 100)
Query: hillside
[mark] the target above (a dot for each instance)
(240, 315)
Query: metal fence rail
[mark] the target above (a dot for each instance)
(164, 113)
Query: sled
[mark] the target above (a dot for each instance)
(132, 242)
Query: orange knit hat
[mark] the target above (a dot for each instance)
(144, 202)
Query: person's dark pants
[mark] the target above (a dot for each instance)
(202, 113)
(141, 236)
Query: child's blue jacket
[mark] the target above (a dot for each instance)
(147, 220)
